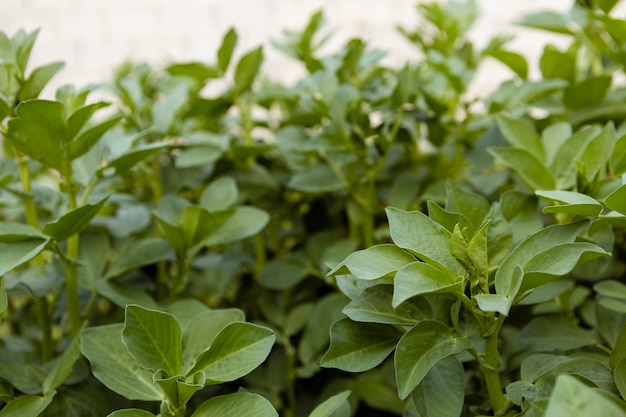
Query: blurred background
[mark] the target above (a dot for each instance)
(95, 36)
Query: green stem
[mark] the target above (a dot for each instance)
(183, 265)
(30, 213)
(290, 369)
(490, 369)
(260, 252)
(71, 272)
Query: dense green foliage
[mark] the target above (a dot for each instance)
(368, 241)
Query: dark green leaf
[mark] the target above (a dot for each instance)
(331, 405)
(131, 412)
(442, 391)
(420, 349)
(73, 221)
(571, 203)
(374, 262)
(247, 70)
(357, 347)
(15, 254)
(374, 305)
(546, 333)
(530, 169)
(62, 368)
(225, 53)
(420, 278)
(587, 92)
(319, 179)
(27, 406)
(138, 254)
(154, 339)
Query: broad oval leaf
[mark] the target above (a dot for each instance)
(442, 391)
(241, 404)
(332, 404)
(38, 79)
(528, 166)
(15, 254)
(617, 200)
(154, 339)
(358, 347)
(247, 69)
(419, 234)
(421, 278)
(28, 405)
(319, 179)
(420, 349)
(113, 365)
(236, 351)
(221, 194)
(548, 333)
(138, 254)
(225, 52)
(572, 398)
(374, 305)
(62, 368)
(374, 262)
(243, 223)
(521, 134)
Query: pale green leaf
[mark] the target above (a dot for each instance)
(564, 167)
(330, 405)
(202, 330)
(73, 221)
(241, 404)
(245, 222)
(420, 349)
(617, 200)
(247, 69)
(225, 52)
(530, 168)
(570, 202)
(62, 368)
(442, 391)
(113, 365)
(38, 79)
(374, 305)
(419, 278)
(17, 253)
(221, 194)
(14, 232)
(428, 240)
(236, 351)
(572, 398)
(131, 412)
(550, 333)
(154, 339)
(522, 134)
(357, 347)
(27, 406)
(140, 253)
(319, 179)
(165, 111)
(374, 262)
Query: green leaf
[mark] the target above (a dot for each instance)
(549, 21)
(420, 349)
(319, 179)
(588, 92)
(164, 111)
(15, 254)
(38, 79)
(225, 53)
(221, 194)
(374, 262)
(428, 240)
(131, 412)
(126, 161)
(39, 131)
(280, 274)
(241, 404)
(330, 405)
(419, 278)
(442, 391)
(197, 224)
(374, 305)
(23, 46)
(4, 301)
(548, 333)
(113, 365)
(73, 221)
(606, 5)
(556, 64)
(138, 254)
(62, 368)
(522, 134)
(88, 138)
(27, 406)
(570, 202)
(531, 247)
(502, 303)
(15, 232)
(154, 339)
(247, 70)
(564, 167)
(236, 351)
(203, 329)
(358, 347)
(123, 295)
(572, 398)
(470, 205)
(617, 200)
(196, 70)
(178, 391)
(620, 377)
(243, 223)
(530, 169)
(516, 62)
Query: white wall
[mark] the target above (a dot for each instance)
(93, 36)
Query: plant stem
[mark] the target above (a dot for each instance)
(260, 252)
(290, 370)
(30, 213)
(71, 277)
(490, 369)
